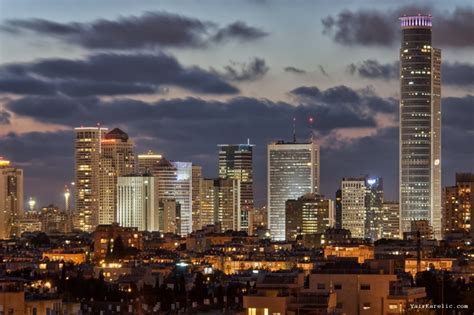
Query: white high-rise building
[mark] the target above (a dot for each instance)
(87, 168)
(137, 202)
(293, 171)
(362, 200)
(183, 195)
(353, 206)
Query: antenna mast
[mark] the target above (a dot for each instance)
(294, 129)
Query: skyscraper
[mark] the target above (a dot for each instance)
(420, 125)
(458, 205)
(390, 221)
(373, 207)
(235, 162)
(353, 206)
(220, 203)
(293, 171)
(362, 200)
(11, 197)
(196, 196)
(137, 202)
(183, 195)
(147, 161)
(116, 159)
(87, 167)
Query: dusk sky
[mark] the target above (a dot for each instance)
(181, 77)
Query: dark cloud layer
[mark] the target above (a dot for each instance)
(376, 28)
(251, 71)
(109, 74)
(456, 74)
(338, 107)
(149, 30)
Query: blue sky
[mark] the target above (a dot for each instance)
(288, 34)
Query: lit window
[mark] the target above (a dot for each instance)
(252, 311)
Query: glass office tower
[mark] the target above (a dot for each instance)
(420, 125)
(293, 171)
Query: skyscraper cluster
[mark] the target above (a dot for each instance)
(153, 193)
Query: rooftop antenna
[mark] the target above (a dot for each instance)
(294, 129)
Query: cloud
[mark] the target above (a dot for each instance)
(4, 117)
(189, 130)
(338, 107)
(344, 99)
(294, 70)
(109, 74)
(238, 31)
(454, 74)
(147, 31)
(251, 71)
(380, 28)
(372, 69)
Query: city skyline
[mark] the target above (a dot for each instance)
(253, 93)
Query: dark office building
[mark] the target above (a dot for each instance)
(338, 209)
(235, 162)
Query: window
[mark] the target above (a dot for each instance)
(321, 286)
(365, 286)
(265, 311)
(366, 306)
(338, 287)
(252, 311)
(392, 306)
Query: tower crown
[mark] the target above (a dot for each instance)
(415, 21)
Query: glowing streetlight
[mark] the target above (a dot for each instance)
(67, 194)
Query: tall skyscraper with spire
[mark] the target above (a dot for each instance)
(420, 124)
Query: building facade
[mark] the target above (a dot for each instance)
(420, 124)
(293, 171)
(390, 221)
(235, 162)
(361, 201)
(116, 159)
(183, 195)
(146, 162)
(87, 167)
(458, 205)
(308, 214)
(137, 202)
(220, 203)
(11, 197)
(353, 206)
(196, 196)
